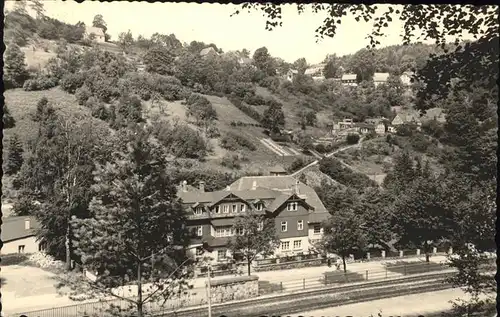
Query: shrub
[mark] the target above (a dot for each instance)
(323, 148)
(200, 108)
(71, 82)
(232, 141)
(14, 259)
(248, 110)
(420, 142)
(82, 94)
(40, 83)
(298, 163)
(288, 265)
(98, 109)
(352, 138)
(231, 161)
(213, 132)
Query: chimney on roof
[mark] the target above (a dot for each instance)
(184, 186)
(228, 188)
(202, 186)
(254, 185)
(297, 187)
(27, 224)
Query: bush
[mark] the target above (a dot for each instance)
(200, 108)
(323, 148)
(420, 142)
(339, 277)
(231, 161)
(352, 138)
(40, 83)
(71, 82)
(232, 141)
(298, 163)
(14, 259)
(82, 94)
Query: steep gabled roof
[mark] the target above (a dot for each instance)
(349, 77)
(283, 183)
(208, 50)
(13, 228)
(94, 30)
(380, 77)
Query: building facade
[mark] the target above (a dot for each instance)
(95, 34)
(294, 207)
(19, 235)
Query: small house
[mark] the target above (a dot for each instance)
(290, 74)
(407, 117)
(349, 80)
(208, 51)
(380, 78)
(365, 128)
(406, 78)
(380, 128)
(277, 170)
(19, 235)
(93, 33)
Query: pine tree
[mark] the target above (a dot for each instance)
(8, 119)
(137, 230)
(15, 156)
(15, 72)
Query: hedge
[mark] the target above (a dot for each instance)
(14, 259)
(288, 265)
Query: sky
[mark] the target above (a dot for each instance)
(212, 23)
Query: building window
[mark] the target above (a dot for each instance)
(239, 231)
(260, 226)
(317, 229)
(297, 244)
(235, 208)
(283, 226)
(198, 210)
(199, 231)
(300, 225)
(221, 254)
(217, 209)
(20, 249)
(225, 209)
(285, 245)
(259, 206)
(243, 207)
(292, 206)
(226, 231)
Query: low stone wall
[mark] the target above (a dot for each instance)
(234, 288)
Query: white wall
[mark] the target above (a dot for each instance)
(304, 246)
(30, 245)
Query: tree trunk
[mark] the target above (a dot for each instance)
(68, 246)
(345, 266)
(139, 291)
(248, 266)
(426, 251)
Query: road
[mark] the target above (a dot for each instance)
(328, 155)
(409, 305)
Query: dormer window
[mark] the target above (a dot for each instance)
(259, 206)
(198, 210)
(292, 206)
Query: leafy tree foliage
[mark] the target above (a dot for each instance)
(300, 65)
(264, 62)
(125, 40)
(56, 172)
(15, 156)
(343, 235)
(15, 72)
(254, 235)
(159, 60)
(233, 141)
(332, 67)
(337, 171)
(99, 22)
(352, 138)
(363, 65)
(200, 108)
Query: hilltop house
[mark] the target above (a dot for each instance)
(19, 235)
(406, 78)
(380, 78)
(316, 72)
(290, 74)
(295, 208)
(405, 117)
(208, 51)
(349, 80)
(94, 34)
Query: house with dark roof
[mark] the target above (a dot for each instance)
(295, 207)
(19, 235)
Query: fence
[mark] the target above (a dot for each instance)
(98, 309)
